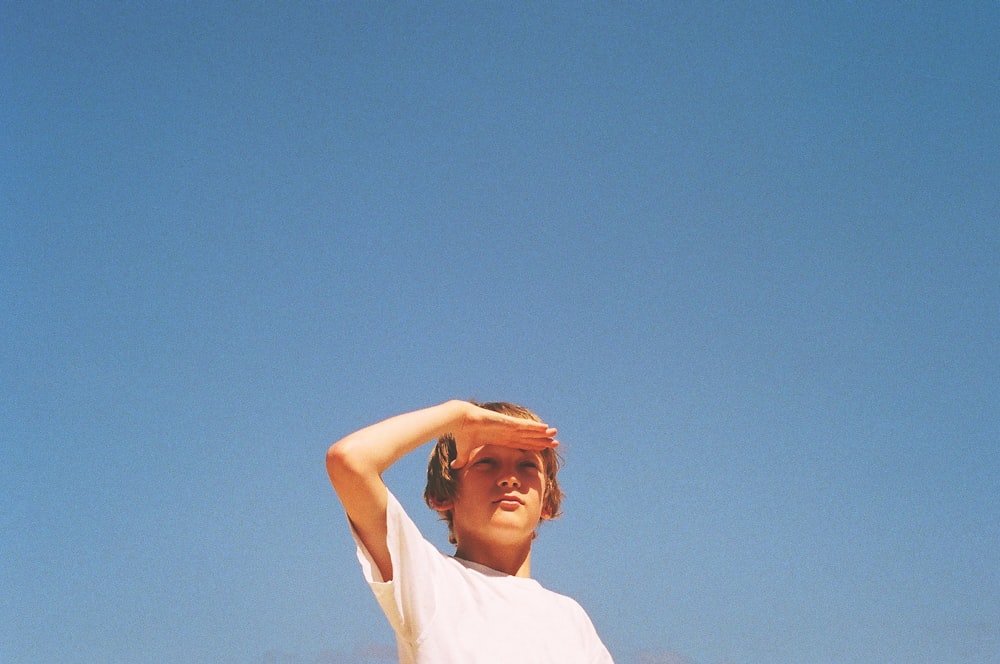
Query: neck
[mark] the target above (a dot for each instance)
(513, 560)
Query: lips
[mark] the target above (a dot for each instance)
(509, 498)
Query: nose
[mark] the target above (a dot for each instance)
(509, 481)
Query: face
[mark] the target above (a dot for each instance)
(500, 494)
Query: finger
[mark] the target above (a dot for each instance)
(531, 443)
(545, 435)
(539, 444)
(520, 422)
(536, 431)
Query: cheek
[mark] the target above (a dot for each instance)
(536, 481)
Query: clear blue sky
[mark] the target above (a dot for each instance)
(746, 256)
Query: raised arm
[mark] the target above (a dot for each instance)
(356, 462)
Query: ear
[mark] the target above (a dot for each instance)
(442, 505)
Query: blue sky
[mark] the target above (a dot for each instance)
(743, 255)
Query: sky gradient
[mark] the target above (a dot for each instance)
(745, 256)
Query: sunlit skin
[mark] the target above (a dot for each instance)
(495, 534)
(498, 507)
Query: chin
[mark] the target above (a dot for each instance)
(514, 532)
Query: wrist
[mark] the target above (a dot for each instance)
(456, 412)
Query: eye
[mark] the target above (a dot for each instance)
(487, 461)
(529, 464)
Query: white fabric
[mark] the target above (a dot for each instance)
(445, 610)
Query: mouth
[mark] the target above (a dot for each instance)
(509, 500)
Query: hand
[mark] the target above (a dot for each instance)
(480, 426)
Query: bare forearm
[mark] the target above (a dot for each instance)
(356, 463)
(373, 449)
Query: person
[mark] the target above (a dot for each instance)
(492, 476)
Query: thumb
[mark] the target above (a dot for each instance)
(462, 456)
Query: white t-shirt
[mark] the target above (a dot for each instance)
(445, 610)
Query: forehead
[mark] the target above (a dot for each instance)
(507, 452)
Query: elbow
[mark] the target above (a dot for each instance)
(336, 461)
(342, 463)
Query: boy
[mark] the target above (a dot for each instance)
(492, 477)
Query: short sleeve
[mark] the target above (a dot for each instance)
(408, 600)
